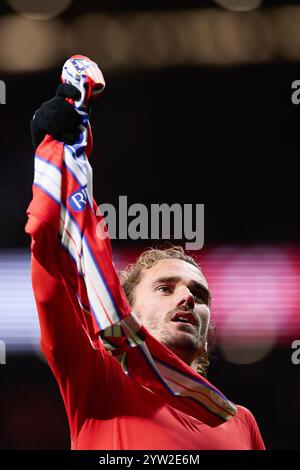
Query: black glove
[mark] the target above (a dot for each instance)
(57, 117)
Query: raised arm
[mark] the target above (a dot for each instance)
(64, 342)
(66, 329)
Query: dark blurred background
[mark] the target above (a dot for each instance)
(197, 109)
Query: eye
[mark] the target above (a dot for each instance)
(200, 297)
(165, 289)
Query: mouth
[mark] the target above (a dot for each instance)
(185, 317)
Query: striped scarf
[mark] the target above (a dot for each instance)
(63, 199)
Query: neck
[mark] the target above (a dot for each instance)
(185, 356)
(193, 360)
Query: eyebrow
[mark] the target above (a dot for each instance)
(196, 284)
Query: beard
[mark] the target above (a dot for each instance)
(184, 338)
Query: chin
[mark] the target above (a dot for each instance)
(184, 342)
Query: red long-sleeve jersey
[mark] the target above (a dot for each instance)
(107, 409)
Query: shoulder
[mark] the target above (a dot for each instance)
(109, 370)
(247, 419)
(244, 414)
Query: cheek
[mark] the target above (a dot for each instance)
(142, 299)
(144, 308)
(205, 318)
(149, 312)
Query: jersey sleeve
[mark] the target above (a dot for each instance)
(64, 341)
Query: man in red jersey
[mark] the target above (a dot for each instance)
(107, 408)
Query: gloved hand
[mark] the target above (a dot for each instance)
(57, 117)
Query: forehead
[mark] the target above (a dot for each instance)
(174, 268)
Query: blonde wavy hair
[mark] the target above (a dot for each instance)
(131, 277)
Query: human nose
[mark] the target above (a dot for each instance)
(185, 297)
